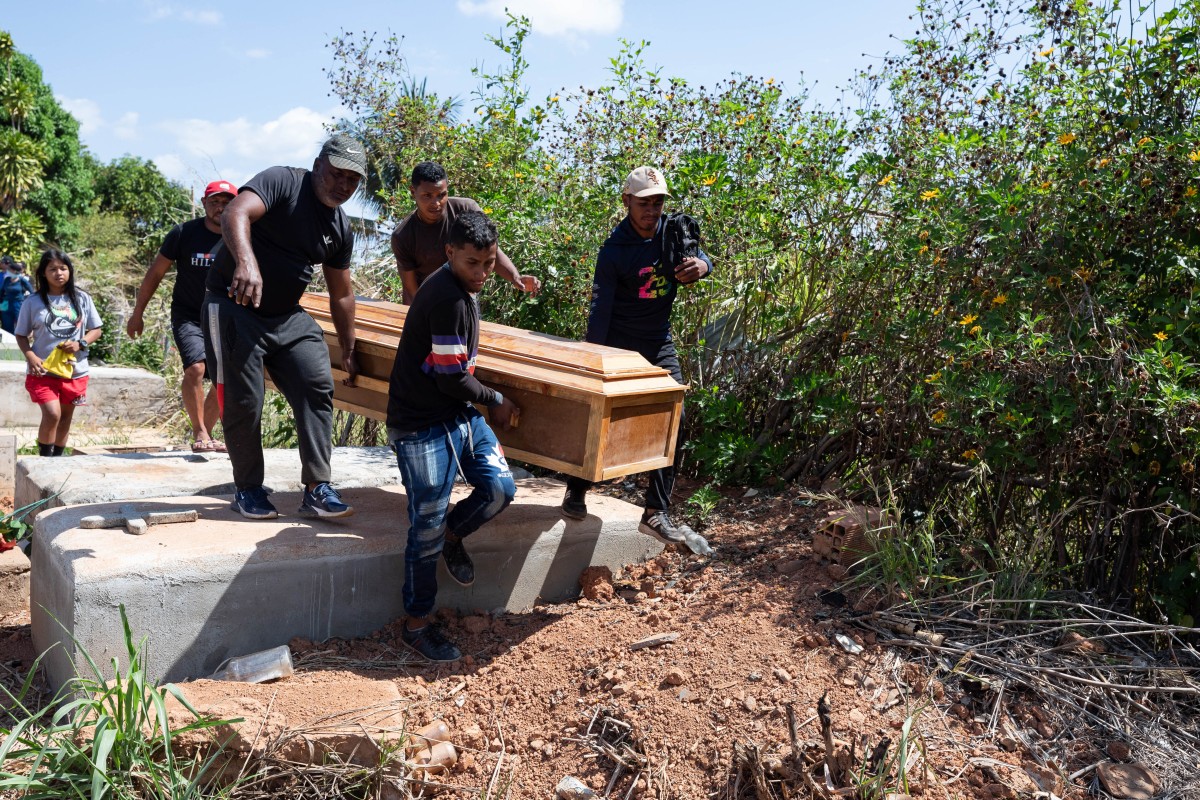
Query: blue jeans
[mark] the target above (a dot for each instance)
(429, 462)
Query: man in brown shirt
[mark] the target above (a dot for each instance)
(419, 241)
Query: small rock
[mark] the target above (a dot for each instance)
(857, 718)
(1010, 744)
(754, 677)
(674, 677)
(781, 675)
(1130, 781)
(476, 624)
(998, 791)
(654, 640)
(620, 689)
(837, 572)
(750, 704)
(812, 641)
(750, 493)
(1117, 750)
(790, 567)
(537, 744)
(647, 586)
(960, 711)
(868, 683)
(596, 584)
(687, 696)
(471, 736)
(1044, 730)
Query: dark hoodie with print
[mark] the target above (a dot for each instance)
(633, 290)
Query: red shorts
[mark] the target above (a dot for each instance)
(45, 388)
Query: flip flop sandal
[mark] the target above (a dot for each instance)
(217, 446)
(205, 446)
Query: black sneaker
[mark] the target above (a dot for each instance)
(573, 504)
(429, 642)
(253, 504)
(323, 501)
(659, 525)
(458, 563)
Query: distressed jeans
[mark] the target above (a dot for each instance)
(430, 460)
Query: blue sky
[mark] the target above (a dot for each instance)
(224, 89)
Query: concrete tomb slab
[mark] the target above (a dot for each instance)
(224, 586)
(116, 395)
(134, 476)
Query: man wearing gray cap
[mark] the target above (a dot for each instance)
(282, 223)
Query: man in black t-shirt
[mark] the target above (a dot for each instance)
(284, 221)
(419, 241)
(191, 247)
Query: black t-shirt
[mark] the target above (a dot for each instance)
(420, 246)
(433, 377)
(297, 232)
(192, 247)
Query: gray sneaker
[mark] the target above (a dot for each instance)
(659, 525)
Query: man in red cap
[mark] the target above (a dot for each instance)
(191, 247)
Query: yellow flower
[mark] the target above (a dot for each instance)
(885, 180)
(710, 180)
(547, 168)
(930, 194)
(1146, 181)
(441, 127)
(1104, 162)
(923, 235)
(518, 175)
(487, 209)
(488, 164)
(1066, 138)
(968, 319)
(1144, 140)
(971, 454)
(1194, 155)
(554, 99)
(770, 81)
(1045, 184)
(1161, 336)
(1046, 52)
(1187, 467)
(939, 416)
(1000, 299)
(1154, 468)
(934, 377)
(924, 249)
(1136, 448)
(1054, 282)
(567, 238)
(975, 330)
(1190, 191)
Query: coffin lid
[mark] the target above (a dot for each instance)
(380, 322)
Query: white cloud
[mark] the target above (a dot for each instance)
(161, 10)
(257, 53)
(126, 126)
(553, 17)
(238, 149)
(84, 110)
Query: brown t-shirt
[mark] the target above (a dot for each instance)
(421, 247)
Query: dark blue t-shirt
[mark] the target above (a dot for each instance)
(297, 233)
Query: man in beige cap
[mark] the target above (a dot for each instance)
(639, 270)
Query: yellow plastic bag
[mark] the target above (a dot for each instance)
(60, 363)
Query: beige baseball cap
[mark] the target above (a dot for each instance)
(646, 182)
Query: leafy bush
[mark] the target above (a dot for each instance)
(971, 279)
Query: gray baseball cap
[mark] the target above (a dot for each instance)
(346, 152)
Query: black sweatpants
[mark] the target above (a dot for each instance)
(239, 345)
(662, 480)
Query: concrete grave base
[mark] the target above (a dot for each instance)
(223, 586)
(134, 476)
(116, 395)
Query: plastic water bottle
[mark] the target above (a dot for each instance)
(265, 665)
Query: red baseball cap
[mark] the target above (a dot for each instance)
(220, 187)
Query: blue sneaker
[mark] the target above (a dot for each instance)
(253, 504)
(324, 501)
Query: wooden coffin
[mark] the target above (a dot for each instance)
(587, 410)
